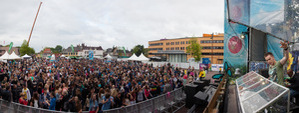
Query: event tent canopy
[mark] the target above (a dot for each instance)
(108, 56)
(52, 57)
(142, 58)
(26, 56)
(133, 57)
(13, 56)
(62, 56)
(5, 56)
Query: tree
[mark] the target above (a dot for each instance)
(138, 49)
(58, 48)
(24, 49)
(194, 49)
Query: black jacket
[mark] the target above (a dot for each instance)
(6, 95)
(294, 82)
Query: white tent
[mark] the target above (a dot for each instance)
(133, 57)
(53, 57)
(5, 56)
(108, 56)
(26, 56)
(62, 56)
(14, 56)
(142, 58)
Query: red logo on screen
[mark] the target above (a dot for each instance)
(234, 44)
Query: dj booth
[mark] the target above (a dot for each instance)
(256, 93)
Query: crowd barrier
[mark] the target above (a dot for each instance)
(175, 64)
(168, 102)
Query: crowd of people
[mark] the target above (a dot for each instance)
(78, 85)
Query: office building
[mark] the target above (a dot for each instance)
(175, 49)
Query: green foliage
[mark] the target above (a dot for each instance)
(24, 49)
(57, 49)
(138, 49)
(194, 49)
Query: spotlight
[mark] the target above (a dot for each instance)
(242, 36)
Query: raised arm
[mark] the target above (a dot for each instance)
(285, 58)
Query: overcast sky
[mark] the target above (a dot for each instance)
(107, 22)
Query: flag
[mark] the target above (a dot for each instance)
(10, 46)
(72, 48)
(124, 51)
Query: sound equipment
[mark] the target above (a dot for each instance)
(190, 91)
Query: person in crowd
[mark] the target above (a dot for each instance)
(26, 91)
(78, 105)
(34, 102)
(202, 74)
(52, 103)
(294, 83)
(147, 92)
(15, 93)
(107, 101)
(6, 94)
(44, 99)
(127, 82)
(220, 69)
(22, 99)
(93, 104)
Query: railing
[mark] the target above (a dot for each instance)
(169, 102)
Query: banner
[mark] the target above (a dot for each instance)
(90, 55)
(10, 46)
(236, 48)
(205, 60)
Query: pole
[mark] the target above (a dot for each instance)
(34, 23)
(212, 49)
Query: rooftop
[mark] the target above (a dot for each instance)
(204, 36)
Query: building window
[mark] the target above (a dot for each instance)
(210, 41)
(172, 48)
(214, 47)
(156, 44)
(156, 49)
(172, 43)
(212, 54)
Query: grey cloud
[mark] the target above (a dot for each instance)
(107, 22)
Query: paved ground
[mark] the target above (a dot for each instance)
(232, 106)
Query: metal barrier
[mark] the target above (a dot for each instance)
(168, 102)
(12, 107)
